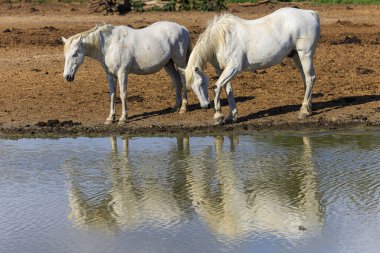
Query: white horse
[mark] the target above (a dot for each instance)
(122, 50)
(233, 45)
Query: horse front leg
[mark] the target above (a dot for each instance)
(227, 74)
(233, 113)
(123, 81)
(112, 90)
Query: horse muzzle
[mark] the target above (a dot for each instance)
(69, 78)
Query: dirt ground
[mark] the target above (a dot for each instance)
(34, 98)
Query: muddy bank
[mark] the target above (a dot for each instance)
(66, 130)
(36, 101)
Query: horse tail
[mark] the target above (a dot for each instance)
(316, 15)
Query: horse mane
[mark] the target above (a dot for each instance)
(210, 40)
(92, 38)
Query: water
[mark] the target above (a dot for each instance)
(253, 193)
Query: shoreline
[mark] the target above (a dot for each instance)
(62, 131)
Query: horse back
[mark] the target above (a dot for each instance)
(147, 50)
(266, 41)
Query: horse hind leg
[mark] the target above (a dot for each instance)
(304, 62)
(112, 92)
(182, 64)
(177, 84)
(123, 83)
(184, 97)
(298, 64)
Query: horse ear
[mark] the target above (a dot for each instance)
(64, 39)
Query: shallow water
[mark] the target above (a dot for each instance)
(253, 193)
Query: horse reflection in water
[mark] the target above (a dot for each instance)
(234, 209)
(133, 198)
(147, 196)
(232, 197)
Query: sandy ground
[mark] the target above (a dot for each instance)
(35, 99)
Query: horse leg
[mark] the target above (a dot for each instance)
(184, 96)
(227, 74)
(123, 81)
(184, 90)
(233, 113)
(298, 64)
(112, 91)
(306, 59)
(180, 61)
(176, 81)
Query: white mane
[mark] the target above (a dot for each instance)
(210, 40)
(91, 37)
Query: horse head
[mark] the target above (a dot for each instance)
(198, 81)
(74, 56)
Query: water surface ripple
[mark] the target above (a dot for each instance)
(267, 192)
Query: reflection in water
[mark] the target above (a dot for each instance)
(234, 197)
(135, 196)
(235, 206)
(267, 192)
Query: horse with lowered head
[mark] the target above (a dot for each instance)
(122, 50)
(233, 45)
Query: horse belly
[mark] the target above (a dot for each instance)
(267, 51)
(146, 71)
(262, 60)
(150, 62)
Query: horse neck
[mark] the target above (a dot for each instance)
(195, 61)
(204, 51)
(93, 44)
(198, 58)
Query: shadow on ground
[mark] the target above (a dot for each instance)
(190, 108)
(326, 106)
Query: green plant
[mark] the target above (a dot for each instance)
(170, 6)
(187, 5)
(138, 5)
(212, 5)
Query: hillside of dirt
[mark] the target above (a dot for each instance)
(34, 98)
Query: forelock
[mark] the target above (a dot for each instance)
(68, 43)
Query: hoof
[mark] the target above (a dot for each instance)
(122, 122)
(109, 122)
(182, 111)
(303, 115)
(229, 121)
(218, 121)
(232, 118)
